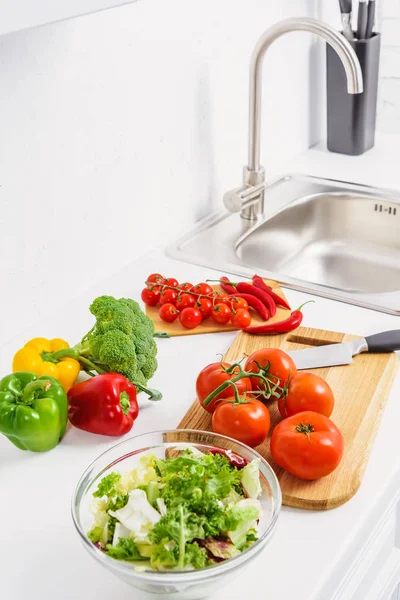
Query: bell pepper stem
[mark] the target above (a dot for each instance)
(124, 402)
(29, 393)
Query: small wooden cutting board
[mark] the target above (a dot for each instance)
(361, 391)
(209, 326)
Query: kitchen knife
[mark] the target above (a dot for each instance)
(342, 354)
(345, 11)
(370, 19)
(362, 19)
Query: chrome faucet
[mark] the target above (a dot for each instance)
(249, 197)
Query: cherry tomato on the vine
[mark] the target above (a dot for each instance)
(171, 281)
(185, 301)
(202, 288)
(241, 319)
(205, 306)
(239, 303)
(221, 299)
(185, 287)
(150, 297)
(221, 314)
(167, 295)
(168, 312)
(155, 278)
(190, 317)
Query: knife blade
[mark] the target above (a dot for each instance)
(331, 355)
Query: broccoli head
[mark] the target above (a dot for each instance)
(121, 341)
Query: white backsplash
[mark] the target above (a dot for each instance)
(123, 128)
(389, 97)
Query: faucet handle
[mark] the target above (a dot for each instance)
(243, 197)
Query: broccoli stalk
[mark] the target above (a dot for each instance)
(121, 341)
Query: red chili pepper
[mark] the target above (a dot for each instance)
(254, 303)
(227, 287)
(105, 404)
(288, 324)
(260, 284)
(248, 288)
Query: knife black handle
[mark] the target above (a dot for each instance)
(387, 341)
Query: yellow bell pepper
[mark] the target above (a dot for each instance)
(48, 357)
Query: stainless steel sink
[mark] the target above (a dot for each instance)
(330, 238)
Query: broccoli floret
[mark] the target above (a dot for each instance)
(121, 341)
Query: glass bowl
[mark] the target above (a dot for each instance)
(124, 456)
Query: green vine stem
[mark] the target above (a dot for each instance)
(271, 388)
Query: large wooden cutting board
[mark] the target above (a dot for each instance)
(360, 389)
(209, 326)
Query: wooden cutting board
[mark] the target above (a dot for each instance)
(361, 391)
(209, 326)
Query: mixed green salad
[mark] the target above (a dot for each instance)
(185, 512)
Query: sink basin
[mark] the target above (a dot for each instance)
(330, 238)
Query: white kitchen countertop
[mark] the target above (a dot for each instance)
(41, 554)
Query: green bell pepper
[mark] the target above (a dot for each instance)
(33, 411)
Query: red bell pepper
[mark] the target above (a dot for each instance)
(105, 404)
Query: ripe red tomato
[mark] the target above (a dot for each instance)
(185, 287)
(307, 445)
(190, 318)
(221, 314)
(239, 303)
(185, 301)
(221, 299)
(171, 281)
(281, 367)
(241, 319)
(307, 392)
(155, 278)
(202, 288)
(248, 422)
(150, 297)
(205, 306)
(168, 296)
(211, 377)
(168, 312)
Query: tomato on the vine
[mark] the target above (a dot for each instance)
(221, 299)
(307, 392)
(171, 281)
(168, 312)
(185, 301)
(205, 306)
(281, 367)
(241, 319)
(307, 445)
(185, 287)
(155, 278)
(190, 317)
(150, 297)
(202, 288)
(239, 303)
(221, 314)
(211, 377)
(247, 421)
(168, 296)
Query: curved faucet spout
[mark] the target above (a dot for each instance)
(330, 35)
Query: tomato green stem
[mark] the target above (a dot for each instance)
(306, 429)
(270, 390)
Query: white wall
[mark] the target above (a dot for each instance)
(121, 129)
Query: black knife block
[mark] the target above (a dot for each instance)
(351, 118)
